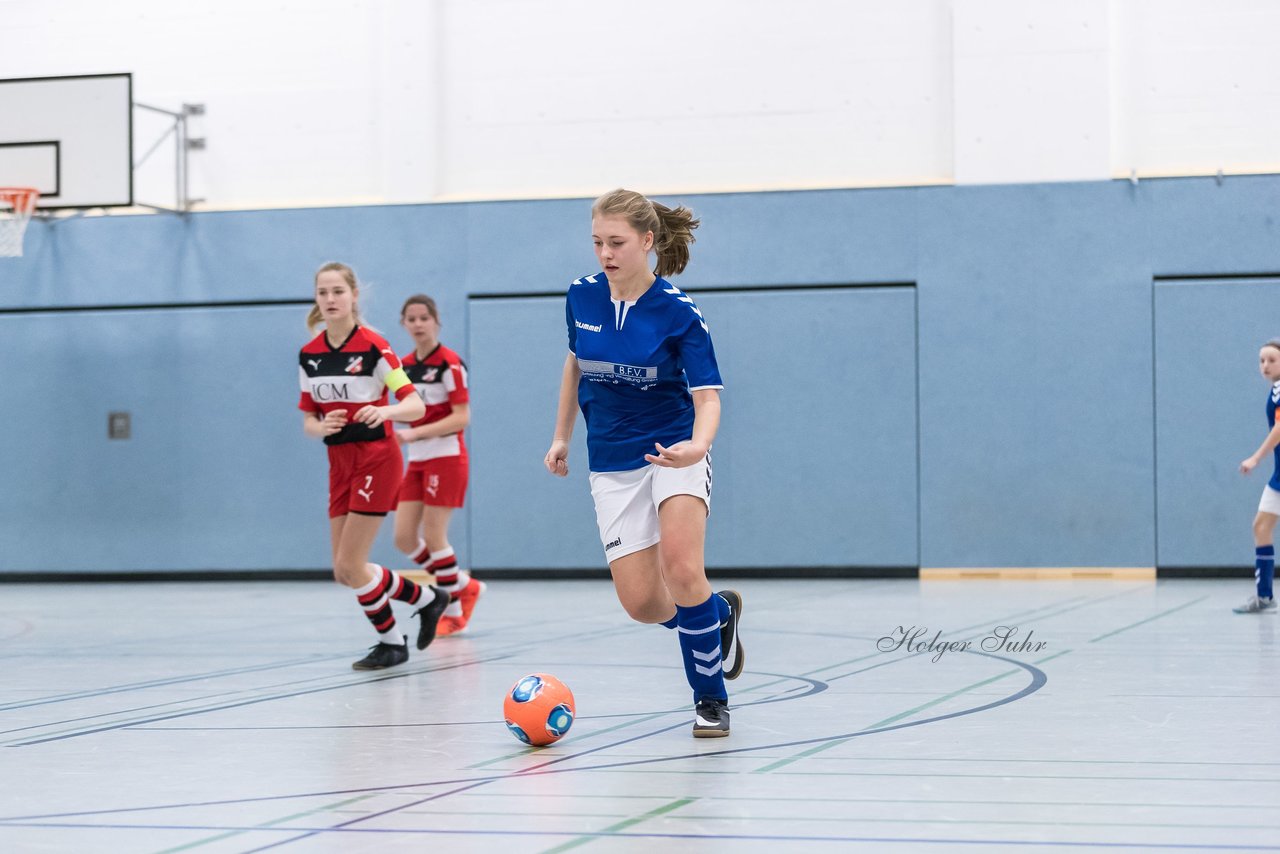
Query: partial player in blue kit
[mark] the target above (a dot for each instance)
(1264, 524)
(642, 369)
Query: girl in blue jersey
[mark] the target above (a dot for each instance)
(642, 369)
(1264, 524)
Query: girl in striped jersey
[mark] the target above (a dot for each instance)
(436, 482)
(345, 373)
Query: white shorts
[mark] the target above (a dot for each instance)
(627, 502)
(1270, 502)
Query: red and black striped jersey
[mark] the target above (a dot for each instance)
(350, 376)
(441, 379)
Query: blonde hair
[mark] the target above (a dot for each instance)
(315, 318)
(672, 227)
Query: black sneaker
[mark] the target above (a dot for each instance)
(730, 647)
(384, 655)
(711, 718)
(429, 616)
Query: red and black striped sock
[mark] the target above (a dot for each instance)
(444, 564)
(402, 589)
(422, 556)
(376, 605)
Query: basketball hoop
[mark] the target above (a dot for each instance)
(16, 207)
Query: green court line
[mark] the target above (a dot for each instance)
(773, 766)
(272, 823)
(529, 750)
(1149, 619)
(622, 825)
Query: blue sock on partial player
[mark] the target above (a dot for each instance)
(699, 630)
(673, 622)
(722, 607)
(1265, 570)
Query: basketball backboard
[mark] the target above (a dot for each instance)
(71, 138)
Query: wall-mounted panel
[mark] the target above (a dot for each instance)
(1035, 379)
(1210, 415)
(216, 473)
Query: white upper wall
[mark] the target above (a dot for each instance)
(314, 102)
(577, 96)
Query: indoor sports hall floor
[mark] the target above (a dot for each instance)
(225, 717)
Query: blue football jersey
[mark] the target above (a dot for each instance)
(640, 361)
(1273, 398)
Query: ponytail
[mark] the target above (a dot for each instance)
(672, 240)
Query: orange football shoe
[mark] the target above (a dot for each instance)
(450, 626)
(468, 595)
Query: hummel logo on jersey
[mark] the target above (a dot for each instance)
(588, 327)
(1275, 393)
(314, 363)
(614, 544)
(355, 364)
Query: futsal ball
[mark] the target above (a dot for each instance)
(538, 709)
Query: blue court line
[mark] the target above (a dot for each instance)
(1073, 603)
(497, 656)
(1038, 680)
(252, 702)
(619, 826)
(156, 683)
(813, 687)
(706, 837)
(344, 826)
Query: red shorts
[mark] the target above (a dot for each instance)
(364, 477)
(441, 482)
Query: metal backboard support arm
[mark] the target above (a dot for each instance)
(185, 143)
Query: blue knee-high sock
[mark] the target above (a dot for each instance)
(699, 630)
(1265, 570)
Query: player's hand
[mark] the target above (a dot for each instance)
(678, 456)
(557, 458)
(371, 415)
(401, 438)
(333, 422)
(1248, 465)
